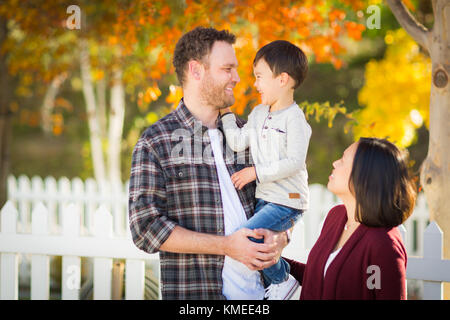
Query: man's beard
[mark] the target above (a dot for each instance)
(213, 93)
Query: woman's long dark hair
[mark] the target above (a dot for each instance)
(381, 183)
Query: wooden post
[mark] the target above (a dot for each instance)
(117, 280)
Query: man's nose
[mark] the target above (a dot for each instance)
(235, 76)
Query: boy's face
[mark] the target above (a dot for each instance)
(267, 85)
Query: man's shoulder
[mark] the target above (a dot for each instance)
(162, 129)
(160, 133)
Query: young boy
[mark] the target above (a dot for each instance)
(278, 136)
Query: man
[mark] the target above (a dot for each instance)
(185, 206)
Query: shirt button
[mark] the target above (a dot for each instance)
(265, 127)
(180, 174)
(270, 118)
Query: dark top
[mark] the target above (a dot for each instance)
(371, 265)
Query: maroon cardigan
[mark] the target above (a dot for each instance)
(349, 276)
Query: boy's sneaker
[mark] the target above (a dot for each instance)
(283, 290)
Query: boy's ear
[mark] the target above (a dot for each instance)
(284, 79)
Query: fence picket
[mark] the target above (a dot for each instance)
(91, 204)
(71, 271)
(12, 189)
(432, 250)
(9, 264)
(77, 187)
(51, 188)
(24, 203)
(40, 267)
(102, 266)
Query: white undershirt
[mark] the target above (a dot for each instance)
(330, 259)
(239, 282)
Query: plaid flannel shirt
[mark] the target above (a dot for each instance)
(174, 182)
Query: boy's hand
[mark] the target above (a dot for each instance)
(224, 110)
(241, 178)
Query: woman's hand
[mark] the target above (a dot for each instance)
(241, 178)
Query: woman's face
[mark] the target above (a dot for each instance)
(342, 168)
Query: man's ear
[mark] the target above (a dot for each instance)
(195, 69)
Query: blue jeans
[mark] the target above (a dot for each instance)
(276, 218)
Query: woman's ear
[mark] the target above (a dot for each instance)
(195, 69)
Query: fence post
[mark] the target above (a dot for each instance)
(134, 279)
(432, 250)
(102, 266)
(9, 267)
(40, 267)
(71, 270)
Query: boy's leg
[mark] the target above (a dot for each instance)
(277, 218)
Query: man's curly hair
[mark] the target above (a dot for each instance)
(196, 45)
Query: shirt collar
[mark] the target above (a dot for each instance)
(190, 122)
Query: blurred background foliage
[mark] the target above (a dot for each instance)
(361, 82)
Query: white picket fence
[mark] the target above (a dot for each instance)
(102, 246)
(55, 194)
(73, 219)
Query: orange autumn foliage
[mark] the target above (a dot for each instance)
(316, 26)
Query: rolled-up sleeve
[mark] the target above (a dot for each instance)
(149, 224)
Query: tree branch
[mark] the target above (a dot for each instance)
(416, 30)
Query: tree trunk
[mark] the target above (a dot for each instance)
(49, 102)
(101, 104)
(91, 110)
(435, 172)
(5, 116)
(116, 118)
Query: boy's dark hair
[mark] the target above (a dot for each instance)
(195, 45)
(384, 190)
(283, 56)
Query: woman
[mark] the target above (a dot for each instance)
(359, 253)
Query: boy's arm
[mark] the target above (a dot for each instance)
(238, 139)
(298, 137)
